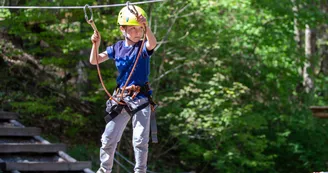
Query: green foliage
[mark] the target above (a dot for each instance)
(225, 74)
(238, 105)
(33, 107)
(89, 152)
(69, 115)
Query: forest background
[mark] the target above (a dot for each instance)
(234, 80)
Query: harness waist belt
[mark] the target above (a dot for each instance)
(132, 91)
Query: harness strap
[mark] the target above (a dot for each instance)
(153, 127)
(132, 91)
(115, 110)
(134, 111)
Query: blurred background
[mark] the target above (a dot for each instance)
(234, 80)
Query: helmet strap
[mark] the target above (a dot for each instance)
(126, 35)
(130, 40)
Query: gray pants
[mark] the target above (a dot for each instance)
(113, 133)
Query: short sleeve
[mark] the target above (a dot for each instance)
(147, 53)
(110, 52)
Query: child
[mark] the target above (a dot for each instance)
(124, 53)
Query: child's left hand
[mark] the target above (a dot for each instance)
(142, 20)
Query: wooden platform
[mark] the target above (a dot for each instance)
(8, 115)
(320, 111)
(19, 131)
(31, 148)
(22, 149)
(44, 166)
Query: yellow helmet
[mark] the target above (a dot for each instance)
(126, 17)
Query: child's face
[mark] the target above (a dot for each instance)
(134, 33)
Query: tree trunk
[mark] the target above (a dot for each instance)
(82, 81)
(297, 33)
(324, 36)
(324, 55)
(308, 69)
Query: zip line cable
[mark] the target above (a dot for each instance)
(77, 7)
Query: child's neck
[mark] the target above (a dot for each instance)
(128, 42)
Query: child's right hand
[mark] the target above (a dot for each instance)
(95, 38)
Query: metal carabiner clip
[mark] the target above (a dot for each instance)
(134, 10)
(86, 15)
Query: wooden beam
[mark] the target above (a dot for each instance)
(320, 111)
(320, 115)
(319, 108)
(19, 131)
(2, 165)
(47, 166)
(8, 115)
(31, 148)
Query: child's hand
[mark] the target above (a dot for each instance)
(95, 38)
(142, 20)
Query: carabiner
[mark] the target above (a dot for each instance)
(85, 13)
(134, 10)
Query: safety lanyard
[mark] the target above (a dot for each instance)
(91, 22)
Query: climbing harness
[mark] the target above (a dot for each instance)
(114, 108)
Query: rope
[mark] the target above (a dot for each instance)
(98, 68)
(126, 159)
(131, 163)
(96, 52)
(76, 7)
(125, 168)
(135, 63)
(135, 12)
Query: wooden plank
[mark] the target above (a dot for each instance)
(320, 114)
(8, 115)
(321, 108)
(2, 165)
(47, 166)
(19, 131)
(319, 111)
(31, 148)
(15, 171)
(87, 170)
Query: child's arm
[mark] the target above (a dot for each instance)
(152, 42)
(95, 46)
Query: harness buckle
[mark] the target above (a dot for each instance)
(134, 90)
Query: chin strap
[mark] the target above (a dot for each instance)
(126, 36)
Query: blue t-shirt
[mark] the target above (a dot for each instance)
(125, 57)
